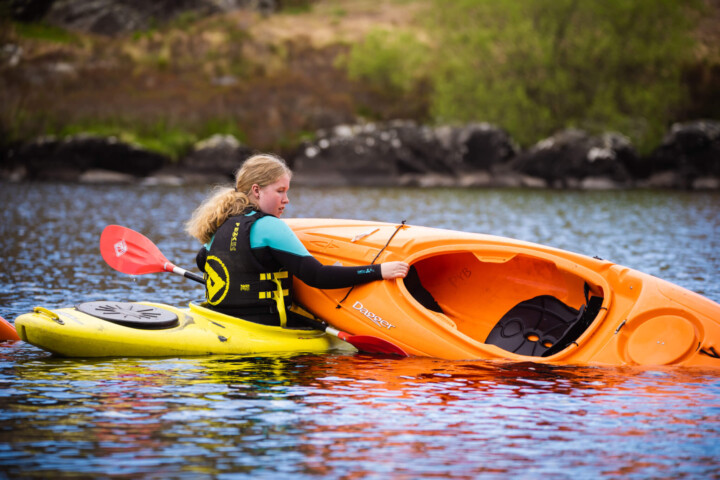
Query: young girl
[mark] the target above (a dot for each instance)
(250, 256)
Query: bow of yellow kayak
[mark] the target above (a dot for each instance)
(473, 296)
(86, 332)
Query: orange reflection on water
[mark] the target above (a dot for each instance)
(480, 417)
(362, 416)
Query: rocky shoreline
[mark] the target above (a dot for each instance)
(396, 154)
(76, 74)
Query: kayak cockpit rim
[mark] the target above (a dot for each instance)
(469, 289)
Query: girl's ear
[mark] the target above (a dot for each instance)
(255, 189)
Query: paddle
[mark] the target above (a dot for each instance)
(130, 252)
(364, 343)
(7, 331)
(367, 343)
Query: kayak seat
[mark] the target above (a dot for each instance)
(134, 315)
(534, 326)
(586, 317)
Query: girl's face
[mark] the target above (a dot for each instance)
(272, 198)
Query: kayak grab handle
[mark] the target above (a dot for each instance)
(52, 315)
(495, 257)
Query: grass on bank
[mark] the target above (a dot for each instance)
(172, 141)
(45, 33)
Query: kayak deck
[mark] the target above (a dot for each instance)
(73, 332)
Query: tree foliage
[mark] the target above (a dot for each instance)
(537, 66)
(393, 61)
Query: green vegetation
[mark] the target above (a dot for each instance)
(392, 61)
(532, 67)
(537, 66)
(173, 141)
(296, 6)
(43, 32)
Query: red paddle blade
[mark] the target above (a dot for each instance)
(368, 344)
(128, 251)
(7, 330)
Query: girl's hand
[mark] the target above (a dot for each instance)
(392, 270)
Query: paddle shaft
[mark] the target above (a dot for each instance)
(169, 267)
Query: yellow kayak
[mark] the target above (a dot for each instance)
(142, 329)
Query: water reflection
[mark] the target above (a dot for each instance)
(357, 416)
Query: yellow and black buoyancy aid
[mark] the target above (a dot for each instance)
(235, 281)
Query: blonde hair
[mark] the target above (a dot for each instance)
(224, 202)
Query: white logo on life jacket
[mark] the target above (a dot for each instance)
(120, 248)
(378, 320)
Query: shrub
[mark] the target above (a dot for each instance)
(534, 67)
(391, 61)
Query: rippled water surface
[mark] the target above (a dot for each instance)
(346, 416)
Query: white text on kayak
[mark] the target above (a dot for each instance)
(378, 320)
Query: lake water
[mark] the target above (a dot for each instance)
(346, 416)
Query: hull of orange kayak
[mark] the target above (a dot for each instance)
(474, 296)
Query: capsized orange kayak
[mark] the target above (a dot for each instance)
(475, 296)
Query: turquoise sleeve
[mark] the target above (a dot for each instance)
(272, 232)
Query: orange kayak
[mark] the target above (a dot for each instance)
(475, 296)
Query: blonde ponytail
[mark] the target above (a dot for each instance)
(225, 202)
